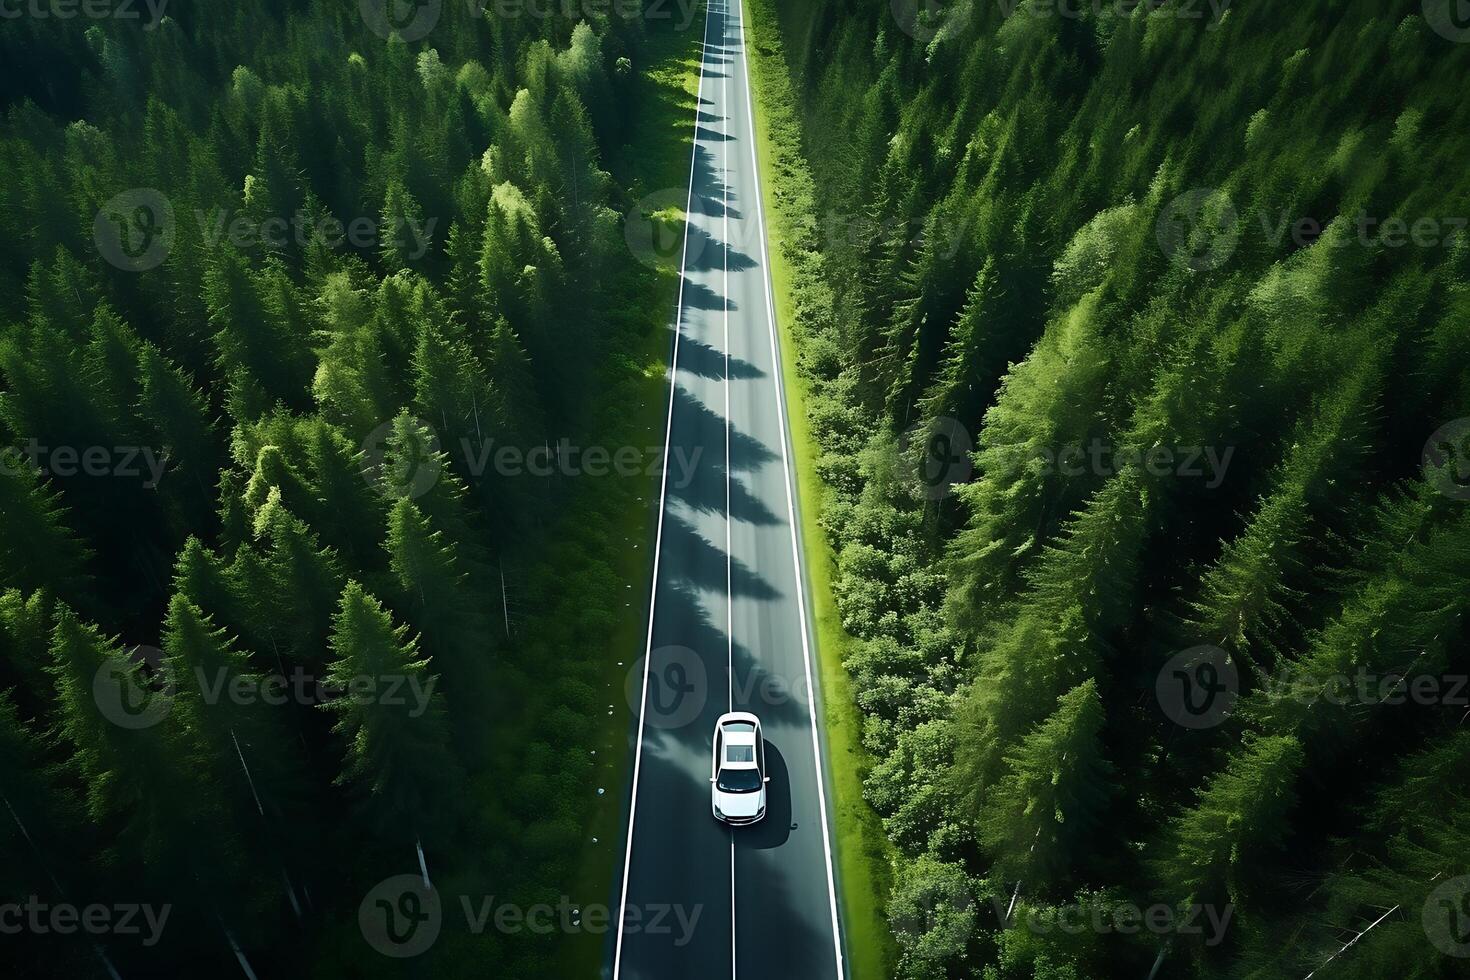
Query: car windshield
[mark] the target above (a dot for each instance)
(739, 780)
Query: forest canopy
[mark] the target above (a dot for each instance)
(1134, 338)
(273, 274)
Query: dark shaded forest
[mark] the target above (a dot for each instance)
(1136, 341)
(266, 268)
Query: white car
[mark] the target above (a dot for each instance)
(738, 772)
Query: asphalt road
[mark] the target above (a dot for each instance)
(728, 621)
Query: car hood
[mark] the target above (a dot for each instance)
(740, 804)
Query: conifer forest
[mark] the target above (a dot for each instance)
(1050, 417)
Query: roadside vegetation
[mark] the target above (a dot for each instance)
(1159, 273)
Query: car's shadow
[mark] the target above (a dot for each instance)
(776, 828)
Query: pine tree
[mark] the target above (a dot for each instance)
(128, 755)
(1050, 405)
(41, 824)
(232, 731)
(250, 336)
(352, 385)
(1419, 820)
(301, 581)
(1413, 604)
(111, 368)
(1221, 847)
(398, 751)
(273, 188)
(520, 274)
(402, 220)
(514, 386)
(1059, 634)
(1246, 597)
(450, 386)
(974, 359)
(176, 412)
(63, 296)
(451, 623)
(1048, 804)
(462, 290)
(354, 522)
(37, 547)
(206, 580)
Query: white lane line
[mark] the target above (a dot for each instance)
(662, 497)
(790, 500)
